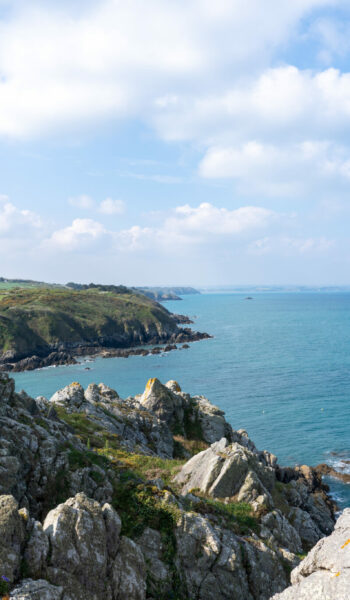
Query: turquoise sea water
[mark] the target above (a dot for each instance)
(279, 365)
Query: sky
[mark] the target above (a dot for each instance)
(175, 142)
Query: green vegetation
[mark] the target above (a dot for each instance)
(237, 515)
(34, 320)
(4, 586)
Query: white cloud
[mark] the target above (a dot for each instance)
(13, 221)
(116, 59)
(80, 234)
(83, 201)
(280, 170)
(207, 220)
(111, 207)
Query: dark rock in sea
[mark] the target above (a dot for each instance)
(170, 347)
(324, 469)
(157, 350)
(182, 319)
(185, 346)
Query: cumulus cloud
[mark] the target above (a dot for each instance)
(80, 234)
(280, 170)
(209, 220)
(13, 220)
(117, 59)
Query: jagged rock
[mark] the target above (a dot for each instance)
(128, 573)
(87, 555)
(224, 471)
(212, 421)
(77, 534)
(36, 550)
(277, 529)
(307, 529)
(71, 397)
(174, 407)
(36, 590)
(152, 548)
(133, 425)
(226, 567)
(325, 572)
(161, 401)
(79, 554)
(12, 533)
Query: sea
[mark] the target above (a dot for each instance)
(278, 365)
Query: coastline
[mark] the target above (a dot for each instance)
(65, 354)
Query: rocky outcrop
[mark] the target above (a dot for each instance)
(92, 504)
(325, 573)
(225, 471)
(189, 416)
(77, 554)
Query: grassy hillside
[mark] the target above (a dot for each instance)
(36, 320)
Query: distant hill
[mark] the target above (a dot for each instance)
(43, 325)
(161, 294)
(39, 320)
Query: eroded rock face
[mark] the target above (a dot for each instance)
(227, 470)
(325, 573)
(36, 590)
(77, 554)
(75, 551)
(12, 534)
(132, 424)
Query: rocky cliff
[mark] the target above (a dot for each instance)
(44, 326)
(150, 497)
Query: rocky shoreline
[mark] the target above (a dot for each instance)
(154, 497)
(66, 355)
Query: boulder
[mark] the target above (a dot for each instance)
(71, 397)
(88, 557)
(224, 471)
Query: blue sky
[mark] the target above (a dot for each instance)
(188, 142)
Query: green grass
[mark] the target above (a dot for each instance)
(238, 515)
(32, 319)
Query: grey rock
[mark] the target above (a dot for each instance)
(325, 572)
(36, 590)
(278, 530)
(224, 470)
(12, 535)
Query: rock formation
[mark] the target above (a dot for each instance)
(148, 498)
(325, 573)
